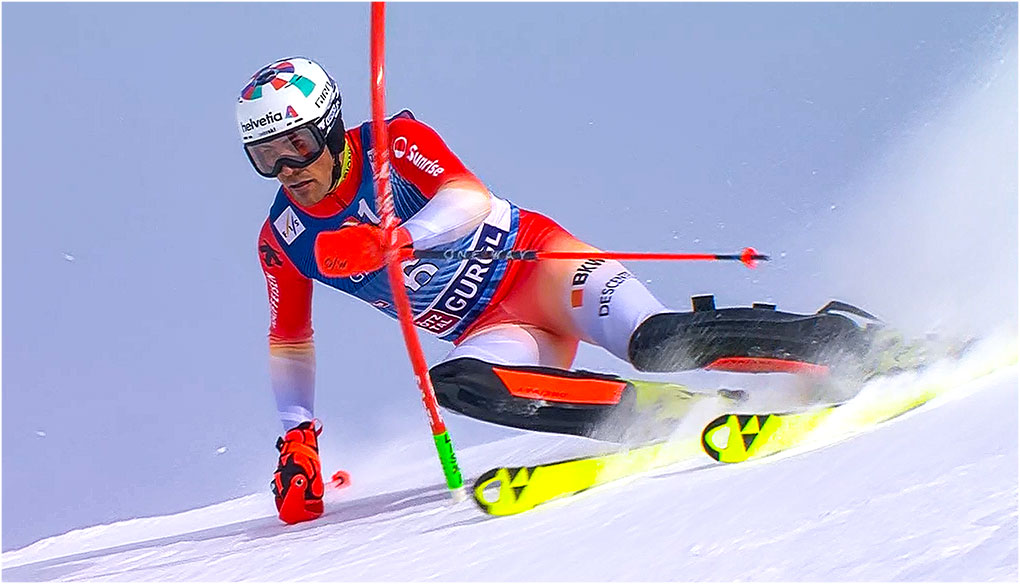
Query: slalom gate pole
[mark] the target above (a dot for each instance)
(384, 203)
(748, 256)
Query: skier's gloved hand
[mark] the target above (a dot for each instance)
(354, 250)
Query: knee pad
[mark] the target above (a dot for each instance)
(542, 399)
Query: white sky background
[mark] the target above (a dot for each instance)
(871, 149)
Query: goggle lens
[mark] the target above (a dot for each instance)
(297, 148)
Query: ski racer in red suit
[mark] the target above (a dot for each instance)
(515, 325)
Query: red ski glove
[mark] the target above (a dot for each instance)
(354, 250)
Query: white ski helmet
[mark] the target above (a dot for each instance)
(287, 113)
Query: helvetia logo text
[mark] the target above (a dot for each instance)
(269, 118)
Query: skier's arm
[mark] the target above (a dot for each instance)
(291, 346)
(458, 201)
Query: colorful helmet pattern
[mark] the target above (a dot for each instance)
(287, 94)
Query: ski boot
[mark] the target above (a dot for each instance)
(297, 482)
(758, 339)
(835, 350)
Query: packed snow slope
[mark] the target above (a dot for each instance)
(931, 495)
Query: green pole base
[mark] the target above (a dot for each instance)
(449, 461)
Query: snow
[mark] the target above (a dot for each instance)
(928, 496)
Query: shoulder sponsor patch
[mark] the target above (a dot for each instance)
(424, 163)
(288, 225)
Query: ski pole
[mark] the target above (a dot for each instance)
(748, 256)
(384, 203)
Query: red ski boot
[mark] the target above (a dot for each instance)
(297, 482)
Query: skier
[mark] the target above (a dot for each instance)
(515, 326)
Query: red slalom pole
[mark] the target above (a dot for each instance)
(384, 204)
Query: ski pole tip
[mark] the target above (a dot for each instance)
(458, 495)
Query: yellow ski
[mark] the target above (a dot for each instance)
(512, 490)
(657, 408)
(737, 437)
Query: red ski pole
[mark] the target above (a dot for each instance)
(748, 256)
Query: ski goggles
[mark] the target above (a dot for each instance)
(295, 148)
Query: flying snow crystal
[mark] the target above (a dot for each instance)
(221, 450)
(40, 433)
(68, 257)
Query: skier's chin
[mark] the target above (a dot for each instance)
(306, 192)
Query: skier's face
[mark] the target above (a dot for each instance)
(310, 184)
